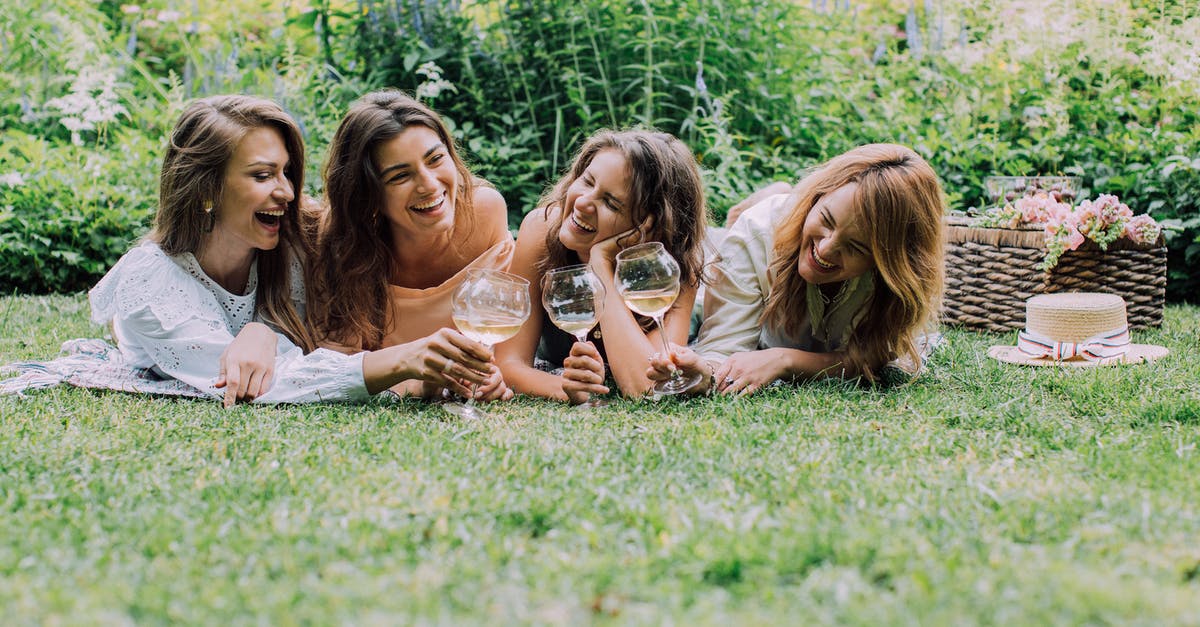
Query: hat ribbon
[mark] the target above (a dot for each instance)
(1101, 348)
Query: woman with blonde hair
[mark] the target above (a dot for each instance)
(838, 277)
(623, 188)
(223, 260)
(406, 220)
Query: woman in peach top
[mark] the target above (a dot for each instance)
(405, 222)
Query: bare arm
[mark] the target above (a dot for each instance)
(515, 356)
(628, 348)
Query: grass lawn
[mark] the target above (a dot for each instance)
(983, 493)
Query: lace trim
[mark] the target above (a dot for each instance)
(237, 308)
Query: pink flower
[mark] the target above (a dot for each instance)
(1040, 207)
(1065, 232)
(1074, 237)
(1143, 230)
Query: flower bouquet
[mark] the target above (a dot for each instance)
(1038, 241)
(1103, 221)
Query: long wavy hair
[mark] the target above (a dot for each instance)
(348, 281)
(193, 179)
(664, 183)
(899, 199)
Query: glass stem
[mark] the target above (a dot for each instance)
(475, 386)
(662, 335)
(582, 338)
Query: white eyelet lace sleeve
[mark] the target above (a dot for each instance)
(165, 318)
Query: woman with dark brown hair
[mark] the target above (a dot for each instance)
(623, 188)
(838, 277)
(406, 220)
(223, 260)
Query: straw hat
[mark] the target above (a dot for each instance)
(1078, 329)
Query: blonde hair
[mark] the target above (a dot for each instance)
(900, 200)
(193, 178)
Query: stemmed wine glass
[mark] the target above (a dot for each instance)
(647, 278)
(489, 307)
(574, 298)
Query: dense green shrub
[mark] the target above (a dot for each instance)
(759, 89)
(72, 211)
(763, 89)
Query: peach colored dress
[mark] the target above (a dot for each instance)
(418, 313)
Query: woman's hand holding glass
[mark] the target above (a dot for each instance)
(574, 299)
(647, 279)
(489, 307)
(445, 359)
(680, 359)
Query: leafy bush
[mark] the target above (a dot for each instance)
(72, 211)
(763, 89)
(759, 89)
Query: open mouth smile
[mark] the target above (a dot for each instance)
(426, 207)
(821, 264)
(582, 226)
(270, 217)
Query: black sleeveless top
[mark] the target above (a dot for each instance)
(555, 344)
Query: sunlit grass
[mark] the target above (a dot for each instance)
(981, 494)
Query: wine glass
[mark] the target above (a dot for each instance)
(574, 297)
(647, 279)
(489, 307)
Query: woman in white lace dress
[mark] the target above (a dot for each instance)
(223, 260)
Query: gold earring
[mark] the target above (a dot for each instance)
(212, 217)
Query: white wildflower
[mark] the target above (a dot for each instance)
(169, 16)
(130, 9)
(12, 179)
(434, 84)
(92, 102)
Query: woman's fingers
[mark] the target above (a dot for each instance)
(582, 375)
(447, 367)
(253, 386)
(233, 383)
(473, 353)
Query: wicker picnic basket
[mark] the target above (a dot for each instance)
(990, 273)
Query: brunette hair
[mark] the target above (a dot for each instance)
(193, 179)
(347, 296)
(664, 184)
(901, 206)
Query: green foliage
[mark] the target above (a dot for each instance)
(762, 90)
(759, 90)
(74, 210)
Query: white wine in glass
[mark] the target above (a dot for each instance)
(651, 303)
(574, 297)
(489, 307)
(488, 332)
(647, 279)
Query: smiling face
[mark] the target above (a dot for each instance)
(255, 193)
(833, 247)
(420, 182)
(597, 204)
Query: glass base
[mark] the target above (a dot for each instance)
(592, 403)
(677, 384)
(465, 411)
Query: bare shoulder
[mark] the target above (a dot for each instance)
(537, 222)
(490, 221)
(490, 205)
(531, 242)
